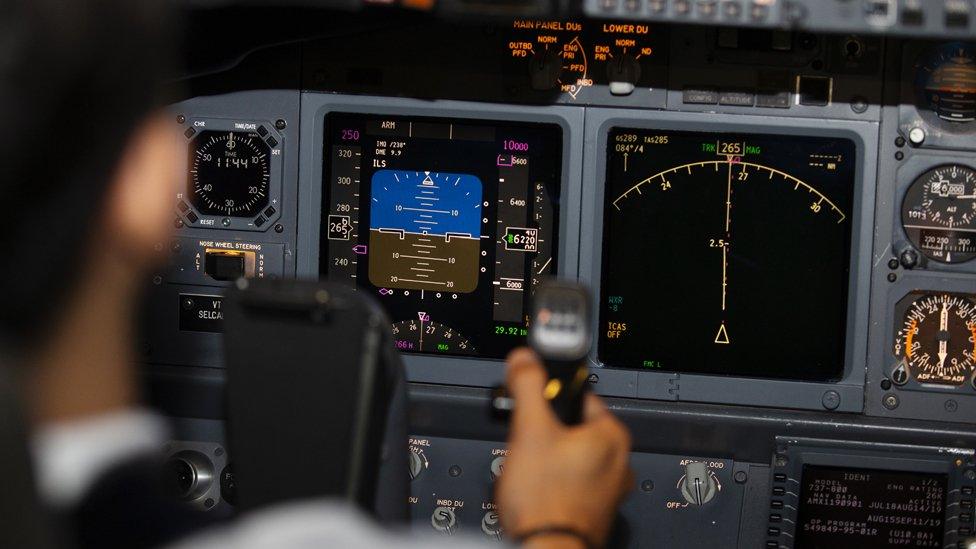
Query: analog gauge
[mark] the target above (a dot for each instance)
(937, 339)
(939, 213)
(424, 336)
(230, 173)
(946, 82)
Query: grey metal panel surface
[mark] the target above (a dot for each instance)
(165, 343)
(727, 389)
(898, 167)
(315, 107)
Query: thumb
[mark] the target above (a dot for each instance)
(526, 383)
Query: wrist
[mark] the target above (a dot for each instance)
(554, 537)
(554, 540)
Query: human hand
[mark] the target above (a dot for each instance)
(558, 476)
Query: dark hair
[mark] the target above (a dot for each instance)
(75, 79)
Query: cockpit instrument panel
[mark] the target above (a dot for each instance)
(727, 253)
(449, 223)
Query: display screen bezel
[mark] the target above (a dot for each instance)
(793, 454)
(828, 369)
(441, 370)
(845, 394)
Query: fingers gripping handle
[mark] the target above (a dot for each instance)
(559, 333)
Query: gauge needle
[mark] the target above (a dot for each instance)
(943, 328)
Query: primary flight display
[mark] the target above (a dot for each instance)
(449, 223)
(726, 253)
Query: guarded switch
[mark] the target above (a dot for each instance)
(698, 485)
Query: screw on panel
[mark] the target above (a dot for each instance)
(951, 405)
(899, 155)
(890, 401)
(454, 471)
(593, 379)
(647, 485)
(279, 228)
(180, 119)
(859, 105)
(225, 222)
(885, 384)
(830, 400)
(157, 280)
(218, 451)
(899, 141)
(892, 277)
(893, 264)
(740, 477)
(280, 124)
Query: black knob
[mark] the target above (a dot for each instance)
(908, 258)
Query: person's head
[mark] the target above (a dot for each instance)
(87, 168)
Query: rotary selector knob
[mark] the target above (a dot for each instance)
(416, 465)
(623, 73)
(698, 485)
(497, 467)
(545, 68)
(491, 525)
(444, 520)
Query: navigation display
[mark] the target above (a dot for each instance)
(843, 508)
(449, 223)
(726, 253)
